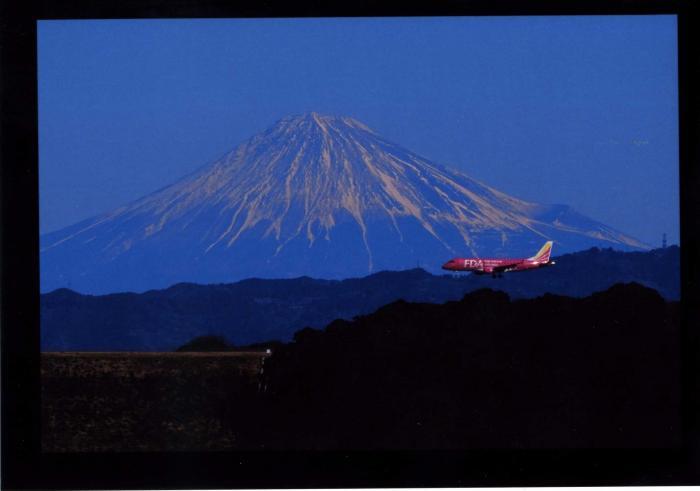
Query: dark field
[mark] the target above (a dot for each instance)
(147, 401)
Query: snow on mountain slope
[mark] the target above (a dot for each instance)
(314, 195)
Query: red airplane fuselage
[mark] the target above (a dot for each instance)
(499, 266)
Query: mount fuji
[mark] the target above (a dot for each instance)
(316, 195)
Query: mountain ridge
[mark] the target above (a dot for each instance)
(257, 310)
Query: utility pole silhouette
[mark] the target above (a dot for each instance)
(663, 241)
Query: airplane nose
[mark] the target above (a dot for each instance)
(447, 265)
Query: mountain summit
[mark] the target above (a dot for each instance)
(315, 195)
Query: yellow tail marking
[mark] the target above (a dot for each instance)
(545, 248)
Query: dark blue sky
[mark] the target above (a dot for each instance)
(575, 110)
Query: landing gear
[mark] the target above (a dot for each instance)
(496, 275)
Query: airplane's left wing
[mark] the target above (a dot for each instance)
(504, 267)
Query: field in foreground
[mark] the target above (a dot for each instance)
(147, 401)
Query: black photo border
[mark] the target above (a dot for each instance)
(24, 466)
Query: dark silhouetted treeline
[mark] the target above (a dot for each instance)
(483, 372)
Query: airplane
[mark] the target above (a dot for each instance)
(496, 267)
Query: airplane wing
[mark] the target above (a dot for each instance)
(504, 267)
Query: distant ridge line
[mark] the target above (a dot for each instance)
(260, 310)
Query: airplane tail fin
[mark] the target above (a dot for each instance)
(543, 254)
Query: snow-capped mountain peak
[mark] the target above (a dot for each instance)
(313, 194)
